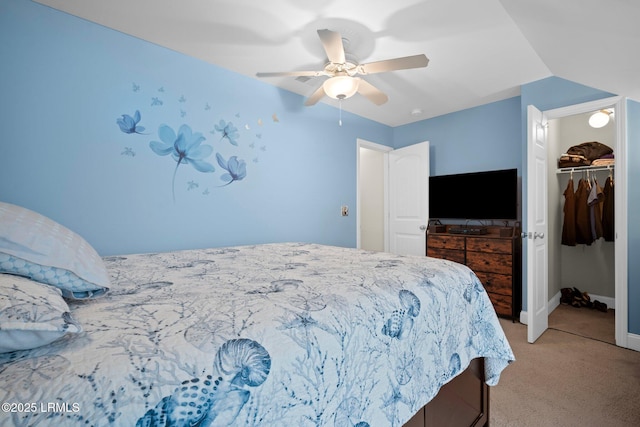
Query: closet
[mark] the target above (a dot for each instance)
(587, 267)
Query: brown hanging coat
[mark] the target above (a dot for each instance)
(608, 228)
(569, 224)
(583, 219)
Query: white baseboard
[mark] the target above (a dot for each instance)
(633, 342)
(523, 318)
(554, 302)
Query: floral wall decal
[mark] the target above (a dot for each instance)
(129, 124)
(228, 131)
(128, 151)
(237, 169)
(184, 148)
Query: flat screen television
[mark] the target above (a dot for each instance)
(474, 196)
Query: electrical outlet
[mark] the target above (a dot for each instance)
(345, 210)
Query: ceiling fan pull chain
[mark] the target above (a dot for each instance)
(340, 119)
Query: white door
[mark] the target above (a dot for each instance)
(536, 237)
(409, 199)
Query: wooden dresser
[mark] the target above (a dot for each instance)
(495, 257)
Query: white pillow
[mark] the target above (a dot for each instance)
(31, 314)
(37, 247)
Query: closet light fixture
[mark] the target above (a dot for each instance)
(600, 118)
(341, 87)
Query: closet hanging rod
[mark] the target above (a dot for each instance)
(585, 168)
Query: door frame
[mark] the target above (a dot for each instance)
(620, 208)
(361, 143)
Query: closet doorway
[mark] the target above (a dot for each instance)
(371, 197)
(586, 268)
(612, 259)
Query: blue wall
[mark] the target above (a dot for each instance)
(65, 82)
(476, 139)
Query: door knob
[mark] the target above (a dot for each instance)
(423, 227)
(537, 235)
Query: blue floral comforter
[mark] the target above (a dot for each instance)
(267, 335)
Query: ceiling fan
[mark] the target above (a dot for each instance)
(342, 71)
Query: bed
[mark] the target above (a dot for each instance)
(278, 334)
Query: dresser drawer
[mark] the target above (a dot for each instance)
(490, 262)
(502, 304)
(489, 245)
(445, 241)
(496, 283)
(494, 255)
(450, 254)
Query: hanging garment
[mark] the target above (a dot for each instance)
(596, 197)
(569, 224)
(608, 225)
(583, 221)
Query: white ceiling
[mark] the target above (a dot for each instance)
(480, 51)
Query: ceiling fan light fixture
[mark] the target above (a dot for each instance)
(600, 118)
(341, 87)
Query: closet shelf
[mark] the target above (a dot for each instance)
(585, 168)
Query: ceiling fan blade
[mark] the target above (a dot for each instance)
(372, 93)
(415, 61)
(332, 43)
(293, 73)
(315, 97)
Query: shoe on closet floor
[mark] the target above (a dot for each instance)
(600, 306)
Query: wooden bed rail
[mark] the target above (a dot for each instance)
(462, 402)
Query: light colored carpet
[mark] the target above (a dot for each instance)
(565, 379)
(586, 322)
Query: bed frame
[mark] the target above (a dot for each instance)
(464, 401)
